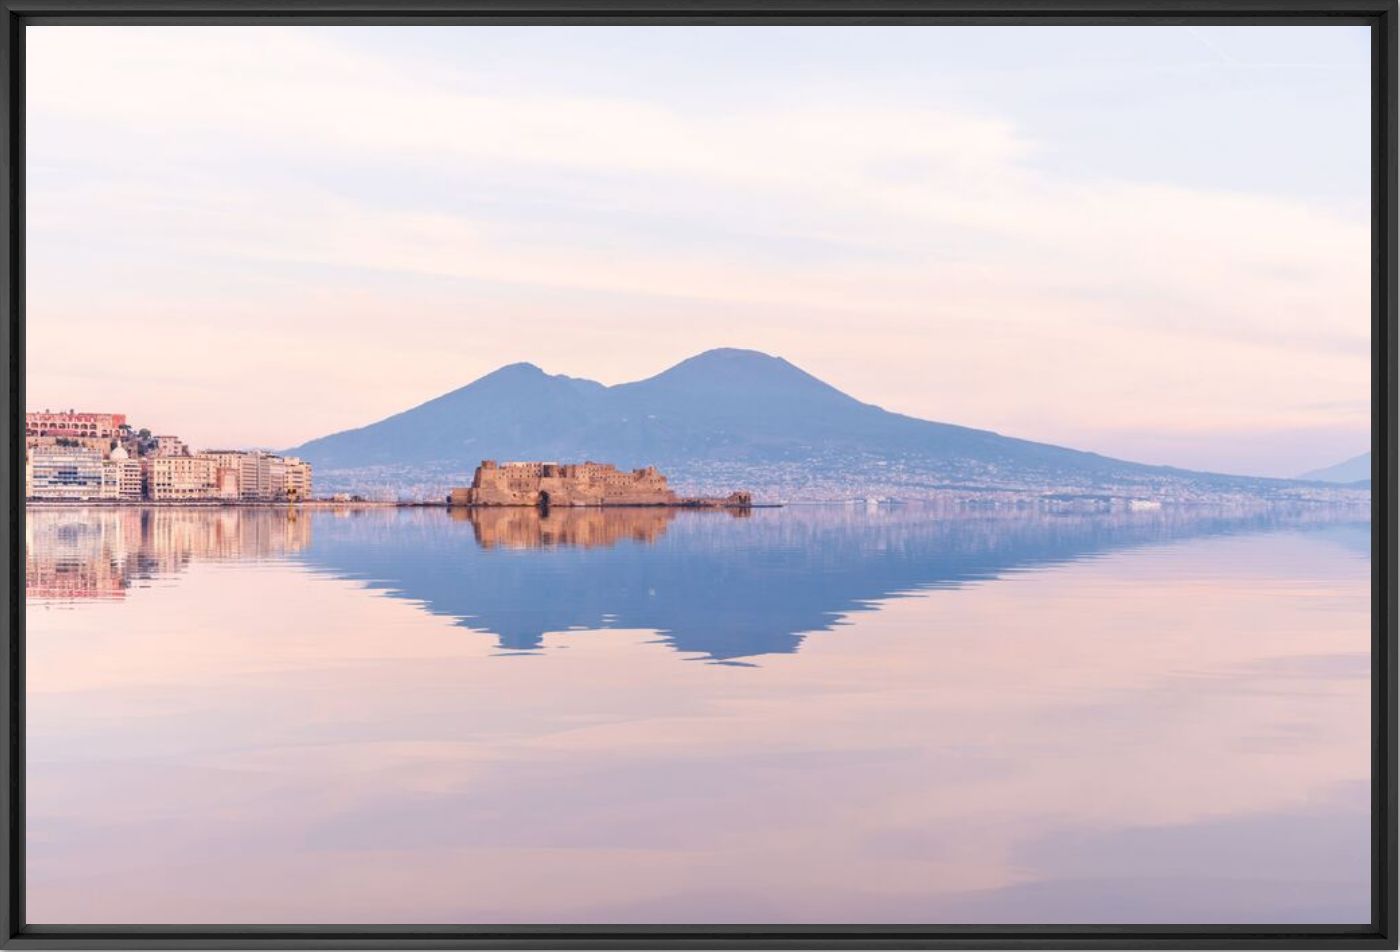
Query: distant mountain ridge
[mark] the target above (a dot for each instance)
(1354, 470)
(722, 416)
(740, 403)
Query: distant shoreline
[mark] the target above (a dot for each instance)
(355, 504)
(217, 504)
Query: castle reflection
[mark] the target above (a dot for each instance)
(520, 527)
(712, 583)
(526, 528)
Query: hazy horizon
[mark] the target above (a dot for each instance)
(1150, 243)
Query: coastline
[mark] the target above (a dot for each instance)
(351, 504)
(220, 504)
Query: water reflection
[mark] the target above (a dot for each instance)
(722, 585)
(101, 552)
(712, 585)
(1143, 718)
(524, 528)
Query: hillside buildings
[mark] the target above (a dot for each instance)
(72, 456)
(72, 424)
(170, 446)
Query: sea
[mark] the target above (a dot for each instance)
(824, 714)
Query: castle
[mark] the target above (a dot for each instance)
(576, 484)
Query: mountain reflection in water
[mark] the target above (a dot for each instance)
(280, 716)
(723, 585)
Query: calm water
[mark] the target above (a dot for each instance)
(803, 715)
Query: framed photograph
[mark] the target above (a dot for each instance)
(713, 474)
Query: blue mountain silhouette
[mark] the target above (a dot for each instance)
(729, 404)
(1355, 470)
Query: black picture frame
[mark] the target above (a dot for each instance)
(1379, 15)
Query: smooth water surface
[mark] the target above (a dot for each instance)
(812, 714)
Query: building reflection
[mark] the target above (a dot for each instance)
(80, 553)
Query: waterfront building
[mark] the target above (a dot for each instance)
(225, 482)
(269, 476)
(122, 476)
(243, 465)
(63, 472)
(255, 477)
(111, 479)
(171, 478)
(259, 476)
(296, 484)
(276, 478)
(78, 456)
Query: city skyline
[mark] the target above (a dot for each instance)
(80, 457)
(375, 217)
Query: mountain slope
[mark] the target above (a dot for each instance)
(738, 403)
(721, 418)
(516, 406)
(749, 405)
(1354, 470)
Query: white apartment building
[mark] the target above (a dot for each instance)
(179, 477)
(63, 472)
(297, 481)
(255, 475)
(122, 478)
(243, 465)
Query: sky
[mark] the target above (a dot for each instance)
(1149, 242)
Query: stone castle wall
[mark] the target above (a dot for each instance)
(568, 484)
(578, 484)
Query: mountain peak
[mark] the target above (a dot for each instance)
(519, 369)
(733, 353)
(730, 363)
(732, 358)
